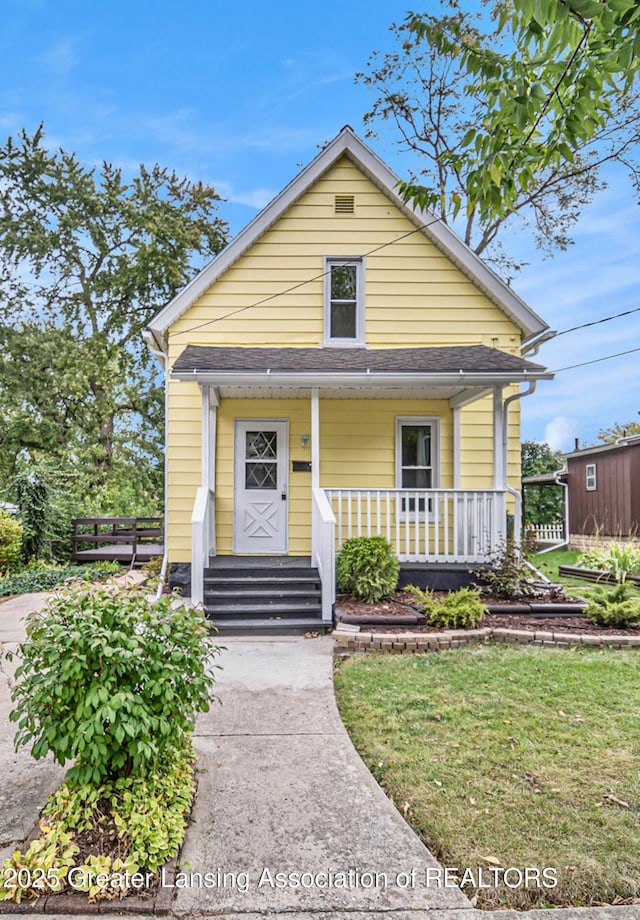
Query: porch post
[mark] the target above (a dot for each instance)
(202, 523)
(499, 470)
(456, 447)
(214, 402)
(205, 432)
(315, 438)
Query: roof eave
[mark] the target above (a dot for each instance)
(357, 379)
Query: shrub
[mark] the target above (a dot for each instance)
(461, 609)
(10, 543)
(112, 681)
(508, 574)
(39, 576)
(149, 814)
(613, 607)
(367, 568)
(621, 559)
(32, 489)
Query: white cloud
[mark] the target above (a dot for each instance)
(254, 198)
(560, 433)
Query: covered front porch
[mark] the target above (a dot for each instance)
(431, 516)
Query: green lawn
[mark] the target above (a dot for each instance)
(510, 757)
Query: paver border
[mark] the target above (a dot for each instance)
(353, 640)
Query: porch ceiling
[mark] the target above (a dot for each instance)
(341, 392)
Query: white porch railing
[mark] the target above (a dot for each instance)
(424, 525)
(323, 523)
(203, 535)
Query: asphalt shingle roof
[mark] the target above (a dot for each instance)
(443, 359)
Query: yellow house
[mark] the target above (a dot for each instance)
(345, 366)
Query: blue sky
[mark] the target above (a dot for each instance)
(241, 95)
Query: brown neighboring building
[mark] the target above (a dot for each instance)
(604, 492)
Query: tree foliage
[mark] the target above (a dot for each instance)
(513, 111)
(87, 258)
(619, 430)
(543, 504)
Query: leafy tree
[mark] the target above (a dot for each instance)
(619, 430)
(513, 114)
(543, 504)
(87, 258)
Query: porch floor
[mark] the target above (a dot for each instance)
(263, 562)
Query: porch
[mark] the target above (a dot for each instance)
(437, 534)
(388, 440)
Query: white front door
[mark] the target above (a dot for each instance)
(260, 492)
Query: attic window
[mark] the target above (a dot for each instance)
(344, 204)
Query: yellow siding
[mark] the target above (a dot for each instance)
(414, 296)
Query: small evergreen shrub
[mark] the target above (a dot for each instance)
(461, 609)
(367, 568)
(10, 543)
(613, 607)
(33, 493)
(111, 681)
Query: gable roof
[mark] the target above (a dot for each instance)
(348, 144)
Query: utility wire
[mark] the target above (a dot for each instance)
(619, 354)
(294, 287)
(596, 322)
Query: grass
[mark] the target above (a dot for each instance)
(509, 757)
(549, 563)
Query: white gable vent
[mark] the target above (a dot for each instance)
(344, 204)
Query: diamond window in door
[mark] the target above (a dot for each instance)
(261, 467)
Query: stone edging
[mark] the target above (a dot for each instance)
(351, 640)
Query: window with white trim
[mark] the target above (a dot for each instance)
(344, 301)
(417, 464)
(590, 475)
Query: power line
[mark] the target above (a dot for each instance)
(596, 322)
(294, 287)
(619, 354)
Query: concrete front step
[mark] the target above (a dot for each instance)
(266, 626)
(231, 592)
(285, 608)
(251, 595)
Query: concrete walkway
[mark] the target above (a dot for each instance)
(282, 790)
(26, 783)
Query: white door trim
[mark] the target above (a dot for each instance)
(261, 516)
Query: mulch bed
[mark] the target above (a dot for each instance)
(400, 605)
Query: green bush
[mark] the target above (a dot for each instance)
(39, 576)
(367, 568)
(111, 681)
(461, 609)
(10, 543)
(508, 574)
(613, 607)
